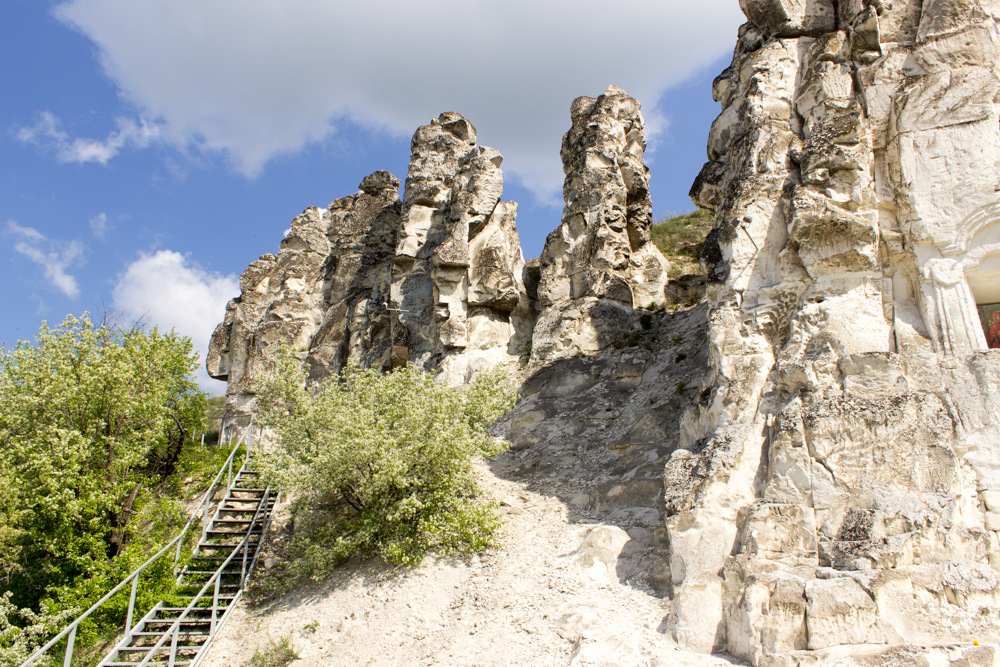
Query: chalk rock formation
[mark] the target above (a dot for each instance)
(437, 279)
(458, 296)
(599, 263)
(594, 431)
(835, 491)
(324, 294)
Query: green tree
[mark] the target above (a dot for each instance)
(381, 464)
(92, 419)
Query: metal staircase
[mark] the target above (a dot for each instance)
(209, 584)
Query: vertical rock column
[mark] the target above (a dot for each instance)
(362, 231)
(599, 263)
(458, 298)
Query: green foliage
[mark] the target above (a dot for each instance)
(277, 654)
(680, 239)
(95, 420)
(215, 408)
(381, 464)
(22, 631)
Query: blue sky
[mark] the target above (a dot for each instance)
(151, 150)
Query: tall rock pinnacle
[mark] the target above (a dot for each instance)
(599, 262)
(458, 295)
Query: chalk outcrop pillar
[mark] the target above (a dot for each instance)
(324, 294)
(599, 263)
(458, 297)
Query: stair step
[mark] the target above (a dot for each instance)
(136, 648)
(238, 510)
(197, 622)
(163, 660)
(241, 533)
(187, 648)
(193, 590)
(221, 546)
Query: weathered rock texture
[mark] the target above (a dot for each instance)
(836, 489)
(439, 279)
(324, 294)
(599, 263)
(458, 298)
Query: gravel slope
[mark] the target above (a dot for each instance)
(549, 596)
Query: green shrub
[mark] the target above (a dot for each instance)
(97, 417)
(381, 464)
(23, 631)
(277, 654)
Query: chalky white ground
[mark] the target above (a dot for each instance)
(546, 596)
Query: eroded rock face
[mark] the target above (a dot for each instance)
(459, 300)
(437, 279)
(832, 493)
(324, 294)
(599, 263)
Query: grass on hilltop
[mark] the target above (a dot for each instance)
(680, 239)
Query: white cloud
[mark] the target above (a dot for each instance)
(55, 257)
(99, 226)
(48, 133)
(175, 293)
(257, 78)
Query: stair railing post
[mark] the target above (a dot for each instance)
(173, 645)
(68, 658)
(246, 548)
(215, 599)
(131, 604)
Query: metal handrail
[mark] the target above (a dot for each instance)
(202, 509)
(174, 629)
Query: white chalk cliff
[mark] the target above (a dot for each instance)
(830, 436)
(836, 491)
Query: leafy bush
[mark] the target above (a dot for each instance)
(23, 631)
(381, 464)
(96, 422)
